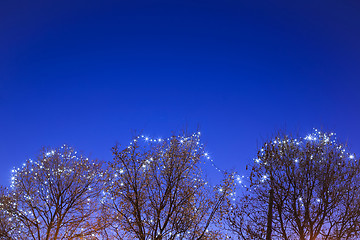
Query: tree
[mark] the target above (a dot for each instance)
(54, 197)
(157, 191)
(316, 187)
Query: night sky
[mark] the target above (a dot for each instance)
(91, 73)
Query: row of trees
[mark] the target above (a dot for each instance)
(154, 190)
(299, 188)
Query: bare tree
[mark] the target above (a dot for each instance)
(54, 197)
(316, 191)
(158, 191)
(6, 225)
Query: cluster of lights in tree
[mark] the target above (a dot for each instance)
(116, 186)
(317, 138)
(182, 139)
(31, 184)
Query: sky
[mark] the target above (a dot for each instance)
(92, 73)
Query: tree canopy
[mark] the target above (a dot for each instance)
(158, 191)
(311, 185)
(53, 197)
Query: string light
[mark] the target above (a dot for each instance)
(182, 139)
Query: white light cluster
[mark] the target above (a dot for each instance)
(315, 139)
(34, 186)
(181, 139)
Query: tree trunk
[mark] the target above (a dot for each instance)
(270, 215)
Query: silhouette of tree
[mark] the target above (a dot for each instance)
(54, 197)
(157, 191)
(316, 191)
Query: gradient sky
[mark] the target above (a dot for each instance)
(90, 73)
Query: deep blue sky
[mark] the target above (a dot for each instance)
(88, 73)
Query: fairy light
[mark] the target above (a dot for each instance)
(264, 178)
(181, 139)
